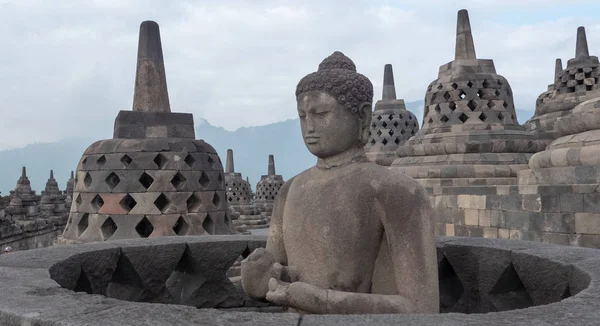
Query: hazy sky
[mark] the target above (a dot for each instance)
(68, 67)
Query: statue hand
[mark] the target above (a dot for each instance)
(279, 292)
(284, 273)
(256, 271)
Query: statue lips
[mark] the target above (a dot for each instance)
(311, 139)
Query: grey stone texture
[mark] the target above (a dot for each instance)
(482, 282)
(391, 125)
(575, 84)
(469, 127)
(153, 178)
(347, 236)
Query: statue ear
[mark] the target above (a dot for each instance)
(364, 116)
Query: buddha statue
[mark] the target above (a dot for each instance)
(347, 236)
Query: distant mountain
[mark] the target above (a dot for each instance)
(251, 147)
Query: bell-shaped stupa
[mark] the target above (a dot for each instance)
(470, 129)
(575, 84)
(153, 178)
(268, 188)
(391, 126)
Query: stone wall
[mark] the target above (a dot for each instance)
(32, 234)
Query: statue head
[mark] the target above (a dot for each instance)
(334, 106)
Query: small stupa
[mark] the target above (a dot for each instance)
(153, 178)
(52, 201)
(575, 84)
(267, 188)
(23, 203)
(392, 125)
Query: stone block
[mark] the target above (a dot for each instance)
(587, 223)
(503, 233)
(591, 202)
(484, 217)
(139, 125)
(471, 217)
(524, 235)
(590, 240)
(450, 230)
(571, 202)
(558, 222)
(490, 232)
(532, 203)
(551, 203)
(556, 238)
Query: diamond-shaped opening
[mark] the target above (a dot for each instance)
(444, 118)
(126, 160)
(437, 108)
(497, 92)
(379, 132)
(208, 224)
(480, 93)
(472, 105)
(402, 132)
(108, 228)
(451, 289)
(509, 292)
(439, 86)
(384, 124)
(193, 203)
(491, 104)
(430, 120)
(373, 141)
(178, 181)
(162, 203)
(500, 83)
(462, 95)
(396, 124)
(505, 105)
(181, 227)
(101, 161)
(500, 116)
(97, 203)
(128, 203)
(379, 118)
(83, 224)
(84, 161)
(189, 160)
(112, 180)
(454, 85)
(160, 160)
(469, 84)
(384, 141)
(210, 160)
(220, 177)
(486, 84)
(204, 180)
(87, 181)
(447, 96)
(463, 117)
(216, 200)
(146, 180)
(452, 106)
(144, 228)
(391, 117)
(397, 141)
(373, 125)
(78, 201)
(391, 132)
(482, 117)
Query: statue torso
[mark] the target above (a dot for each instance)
(332, 226)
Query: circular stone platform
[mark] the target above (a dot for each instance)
(482, 281)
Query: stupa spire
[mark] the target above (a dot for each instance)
(389, 89)
(581, 48)
(72, 174)
(51, 174)
(150, 93)
(24, 173)
(271, 165)
(229, 168)
(557, 68)
(465, 48)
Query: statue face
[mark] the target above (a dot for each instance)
(328, 128)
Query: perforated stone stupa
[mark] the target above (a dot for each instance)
(392, 125)
(23, 201)
(238, 189)
(268, 187)
(470, 133)
(153, 178)
(577, 83)
(52, 201)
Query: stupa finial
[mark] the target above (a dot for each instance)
(24, 172)
(150, 93)
(465, 48)
(389, 89)
(271, 165)
(229, 168)
(51, 174)
(72, 174)
(557, 68)
(581, 48)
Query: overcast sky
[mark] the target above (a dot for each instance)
(68, 67)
